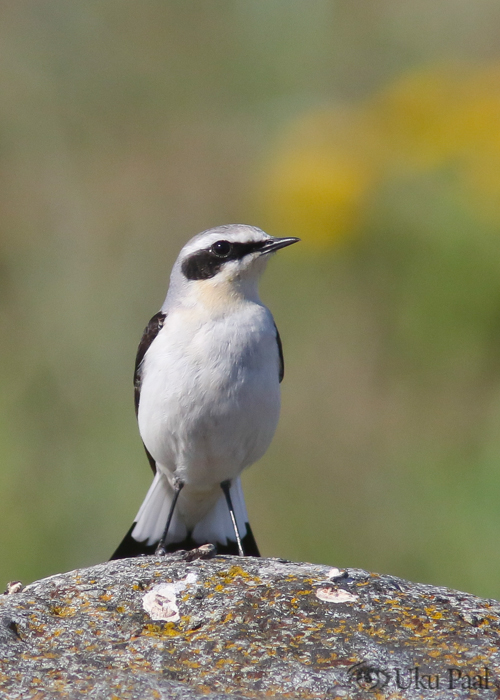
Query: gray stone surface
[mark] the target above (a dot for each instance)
(244, 628)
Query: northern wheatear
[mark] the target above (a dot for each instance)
(207, 394)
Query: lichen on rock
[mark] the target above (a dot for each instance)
(167, 628)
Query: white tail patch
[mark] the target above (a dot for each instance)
(214, 527)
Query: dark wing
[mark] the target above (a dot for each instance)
(150, 333)
(280, 350)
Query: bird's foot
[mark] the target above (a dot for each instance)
(206, 551)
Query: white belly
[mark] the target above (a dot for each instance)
(210, 398)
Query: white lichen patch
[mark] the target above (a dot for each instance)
(161, 601)
(13, 587)
(335, 595)
(336, 573)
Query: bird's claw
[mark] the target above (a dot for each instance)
(206, 551)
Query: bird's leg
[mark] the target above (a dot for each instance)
(160, 550)
(225, 486)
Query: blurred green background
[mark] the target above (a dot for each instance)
(370, 130)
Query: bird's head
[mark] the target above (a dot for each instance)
(225, 261)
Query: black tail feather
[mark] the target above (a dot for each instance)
(129, 547)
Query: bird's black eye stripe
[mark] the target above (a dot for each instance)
(205, 264)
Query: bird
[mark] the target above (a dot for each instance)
(207, 395)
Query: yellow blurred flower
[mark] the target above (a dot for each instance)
(315, 180)
(446, 117)
(330, 162)
(414, 121)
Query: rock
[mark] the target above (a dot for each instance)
(166, 628)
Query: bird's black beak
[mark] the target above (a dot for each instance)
(276, 243)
